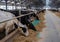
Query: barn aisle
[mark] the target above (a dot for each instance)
(52, 32)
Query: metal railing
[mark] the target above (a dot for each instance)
(17, 17)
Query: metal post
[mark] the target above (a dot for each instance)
(20, 10)
(6, 4)
(15, 4)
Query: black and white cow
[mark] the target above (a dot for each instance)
(27, 19)
(9, 25)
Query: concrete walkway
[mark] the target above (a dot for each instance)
(52, 32)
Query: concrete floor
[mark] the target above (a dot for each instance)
(52, 32)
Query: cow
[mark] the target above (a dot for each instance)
(9, 25)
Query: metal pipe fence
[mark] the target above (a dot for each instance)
(16, 17)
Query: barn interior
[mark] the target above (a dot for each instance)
(29, 21)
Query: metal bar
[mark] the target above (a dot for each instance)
(9, 36)
(16, 17)
(6, 4)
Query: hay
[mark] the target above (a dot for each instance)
(41, 16)
(57, 14)
(31, 38)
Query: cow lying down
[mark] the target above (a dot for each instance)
(9, 25)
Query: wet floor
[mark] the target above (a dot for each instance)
(52, 31)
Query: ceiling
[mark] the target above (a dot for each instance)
(31, 3)
(54, 3)
(27, 3)
(10, 2)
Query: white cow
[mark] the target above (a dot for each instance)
(9, 25)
